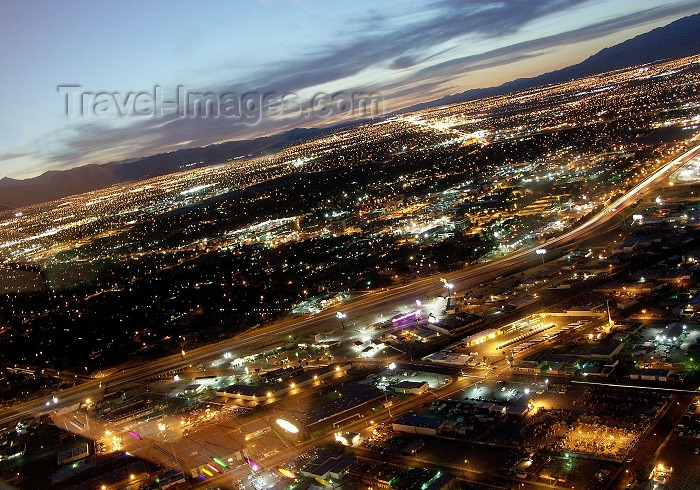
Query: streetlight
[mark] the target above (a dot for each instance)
(341, 316)
(541, 251)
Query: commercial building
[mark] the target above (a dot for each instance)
(281, 381)
(73, 454)
(412, 387)
(651, 375)
(354, 399)
(255, 429)
(328, 465)
(415, 424)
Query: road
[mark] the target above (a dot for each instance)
(363, 305)
(356, 425)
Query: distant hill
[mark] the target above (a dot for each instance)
(56, 184)
(675, 40)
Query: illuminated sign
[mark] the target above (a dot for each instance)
(220, 462)
(413, 314)
(288, 426)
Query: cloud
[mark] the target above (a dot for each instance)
(12, 155)
(405, 48)
(534, 47)
(376, 44)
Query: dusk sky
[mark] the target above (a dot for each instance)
(405, 51)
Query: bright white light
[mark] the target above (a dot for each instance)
(288, 426)
(527, 391)
(176, 378)
(195, 189)
(392, 366)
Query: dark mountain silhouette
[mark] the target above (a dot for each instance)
(675, 40)
(61, 183)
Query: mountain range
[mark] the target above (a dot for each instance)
(675, 40)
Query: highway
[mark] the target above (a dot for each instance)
(363, 305)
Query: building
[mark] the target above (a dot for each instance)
(441, 481)
(528, 367)
(281, 381)
(73, 454)
(605, 349)
(255, 429)
(453, 358)
(197, 453)
(380, 476)
(170, 478)
(247, 392)
(481, 337)
(651, 374)
(415, 424)
(328, 465)
(354, 399)
(673, 333)
(412, 387)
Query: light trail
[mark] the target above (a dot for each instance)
(365, 304)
